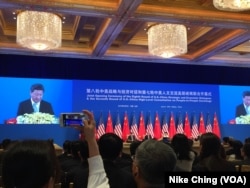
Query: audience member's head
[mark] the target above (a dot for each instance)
(84, 150)
(6, 143)
(210, 145)
(246, 151)
(110, 146)
(75, 149)
(133, 146)
(181, 146)
(67, 146)
(152, 159)
(30, 164)
(247, 140)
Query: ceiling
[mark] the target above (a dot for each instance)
(116, 30)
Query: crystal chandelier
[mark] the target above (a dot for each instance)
(167, 40)
(232, 5)
(39, 30)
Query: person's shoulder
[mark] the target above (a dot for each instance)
(240, 105)
(25, 101)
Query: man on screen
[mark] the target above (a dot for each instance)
(35, 103)
(243, 108)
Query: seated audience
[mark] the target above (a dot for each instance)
(33, 163)
(245, 152)
(211, 157)
(66, 151)
(185, 156)
(234, 150)
(72, 160)
(110, 146)
(152, 160)
(30, 164)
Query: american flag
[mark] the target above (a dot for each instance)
(209, 128)
(180, 125)
(101, 127)
(150, 130)
(134, 128)
(118, 127)
(164, 129)
(195, 130)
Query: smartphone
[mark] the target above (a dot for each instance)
(72, 119)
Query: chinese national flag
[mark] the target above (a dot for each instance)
(216, 128)
(187, 128)
(202, 128)
(142, 130)
(157, 127)
(125, 129)
(172, 128)
(109, 127)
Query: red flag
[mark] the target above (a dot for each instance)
(101, 127)
(216, 128)
(202, 129)
(165, 126)
(118, 127)
(209, 125)
(187, 128)
(195, 131)
(125, 129)
(142, 130)
(134, 128)
(157, 127)
(109, 127)
(172, 128)
(150, 130)
(180, 125)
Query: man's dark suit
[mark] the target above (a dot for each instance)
(26, 107)
(240, 110)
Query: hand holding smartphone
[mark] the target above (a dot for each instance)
(72, 119)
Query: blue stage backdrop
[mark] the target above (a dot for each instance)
(114, 97)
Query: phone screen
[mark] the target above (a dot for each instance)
(71, 119)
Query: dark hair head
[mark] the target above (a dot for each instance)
(110, 146)
(181, 146)
(67, 146)
(84, 149)
(153, 159)
(246, 150)
(6, 143)
(246, 93)
(247, 140)
(37, 87)
(210, 145)
(29, 164)
(133, 146)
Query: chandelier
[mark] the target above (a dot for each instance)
(39, 30)
(232, 5)
(167, 40)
